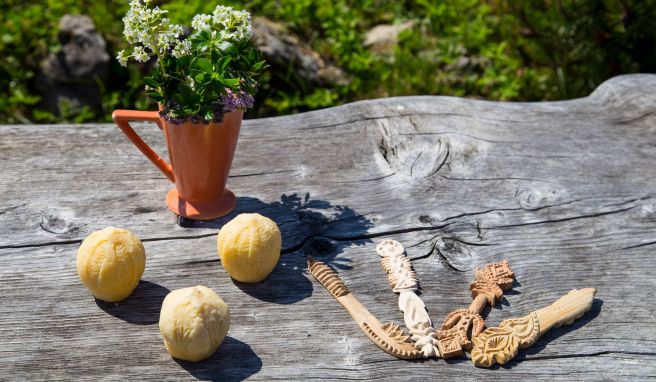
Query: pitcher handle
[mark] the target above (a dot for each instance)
(122, 118)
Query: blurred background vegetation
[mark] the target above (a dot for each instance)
(497, 50)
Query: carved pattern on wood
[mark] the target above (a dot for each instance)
(526, 329)
(400, 274)
(328, 278)
(501, 344)
(457, 324)
(393, 340)
(488, 288)
(403, 280)
(449, 343)
(499, 273)
(389, 337)
(498, 345)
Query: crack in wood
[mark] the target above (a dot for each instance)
(217, 260)
(366, 180)
(12, 208)
(584, 355)
(405, 115)
(371, 235)
(439, 166)
(632, 120)
(500, 178)
(261, 173)
(447, 261)
(550, 221)
(412, 166)
(640, 245)
(460, 134)
(629, 201)
(78, 241)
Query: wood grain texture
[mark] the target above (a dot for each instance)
(566, 191)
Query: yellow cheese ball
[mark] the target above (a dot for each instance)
(249, 247)
(110, 263)
(193, 321)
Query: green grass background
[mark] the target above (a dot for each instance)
(498, 50)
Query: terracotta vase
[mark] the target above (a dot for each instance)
(200, 159)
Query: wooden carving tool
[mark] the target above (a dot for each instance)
(403, 280)
(490, 283)
(388, 337)
(500, 344)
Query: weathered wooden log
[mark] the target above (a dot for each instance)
(566, 191)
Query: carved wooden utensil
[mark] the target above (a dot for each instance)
(490, 283)
(403, 280)
(388, 337)
(501, 344)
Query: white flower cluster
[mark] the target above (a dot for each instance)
(226, 23)
(151, 34)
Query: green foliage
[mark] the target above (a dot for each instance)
(212, 70)
(201, 76)
(28, 32)
(492, 49)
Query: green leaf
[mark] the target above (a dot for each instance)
(184, 61)
(155, 96)
(230, 81)
(258, 65)
(205, 65)
(187, 95)
(225, 63)
(214, 55)
(200, 78)
(178, 99)
(202, 38)
(149, 81)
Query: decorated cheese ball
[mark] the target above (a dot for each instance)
(110, 263)
(193, 322)
(249, 247)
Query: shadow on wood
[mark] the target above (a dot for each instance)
(285, 285)
(233, 361)
(302, 221)
(141, 307)
(298, 217)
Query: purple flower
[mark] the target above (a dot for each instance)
(235, 101)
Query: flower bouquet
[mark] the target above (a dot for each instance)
(203, 81)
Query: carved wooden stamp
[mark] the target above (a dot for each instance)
(388, 337)
(488, 288)
(403, 280)
(501, 344)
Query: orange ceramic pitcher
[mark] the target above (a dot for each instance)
(200, 159)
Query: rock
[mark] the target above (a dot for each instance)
(282, 49)
(69, 79)
(383, 38)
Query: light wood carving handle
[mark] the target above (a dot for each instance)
(501, 344)
(566, 309)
